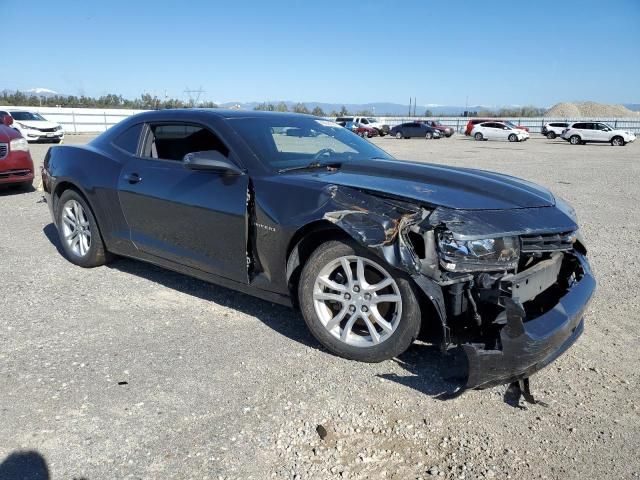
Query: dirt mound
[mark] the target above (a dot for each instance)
(588, 109)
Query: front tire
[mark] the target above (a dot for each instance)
(513, 137)
(575, 140)
(356, 305)
(617, 142)
(428, 136)
(478, 137)
(399, 135)
(78, 231)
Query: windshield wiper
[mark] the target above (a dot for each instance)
(311, 166)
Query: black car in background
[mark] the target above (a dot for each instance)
(415, 129)
(300, 211)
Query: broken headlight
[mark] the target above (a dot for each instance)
(500, 253)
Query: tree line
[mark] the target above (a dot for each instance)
(143, 102)
(302, 108)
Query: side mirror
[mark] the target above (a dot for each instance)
(212, 161)
(7, 120)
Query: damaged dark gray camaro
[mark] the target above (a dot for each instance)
(300, 211)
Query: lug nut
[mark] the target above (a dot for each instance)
(352, 308)
(367, 296)
(356, 288)
(365, 308)
(347, 296)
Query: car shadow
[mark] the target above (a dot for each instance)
(430, 372)
(10, 190)
(27, 465)
(51, 233)
(283, 320)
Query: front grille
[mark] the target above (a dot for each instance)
(47, 130)
(14, 173)
(548, 242)
(4, 150)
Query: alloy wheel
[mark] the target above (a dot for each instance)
(76, 229)
(357, 301)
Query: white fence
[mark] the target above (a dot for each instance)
(96, 120)
(81, 120)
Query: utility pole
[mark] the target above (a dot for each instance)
(190, 93)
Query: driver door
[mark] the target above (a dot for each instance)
(193, 218)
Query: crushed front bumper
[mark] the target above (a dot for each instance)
(528, 346)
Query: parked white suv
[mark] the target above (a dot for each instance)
(498, 131)
(367, 122)
(580, 133)
(34, 126)
(552, 130)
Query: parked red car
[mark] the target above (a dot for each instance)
(474, 121)
(16, 165)
(359, 129)
(443, 129)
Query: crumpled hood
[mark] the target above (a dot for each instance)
(438, 185)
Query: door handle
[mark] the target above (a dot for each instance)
(133, 178)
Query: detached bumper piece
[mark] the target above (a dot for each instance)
(528, 346)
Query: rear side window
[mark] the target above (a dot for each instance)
(128, 140)
(174, 141)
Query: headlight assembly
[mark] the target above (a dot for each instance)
(19, 145)
(483, 254)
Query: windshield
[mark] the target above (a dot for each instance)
(283, 142)
(372, 120)
(511, 124)
(26, 116)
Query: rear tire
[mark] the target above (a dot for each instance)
(617, 142)
(478, 136)
(575, 140)
(513, 137)
(78, 231)
(351, 336)
(551, 135)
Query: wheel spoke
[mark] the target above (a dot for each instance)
(68, 212)
(334, 297)
(347, 328)
(85, 243)
(336, 319)
(386, 326)
(385, 298)
(68, 221)
(360, 273)
(331, 284)
(346, 266)
(375, 336)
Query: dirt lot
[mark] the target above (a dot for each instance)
(129, 371)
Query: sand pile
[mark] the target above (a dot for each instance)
(589, 109)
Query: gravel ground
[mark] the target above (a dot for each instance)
(129, 371)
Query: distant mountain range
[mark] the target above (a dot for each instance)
(378, 108)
